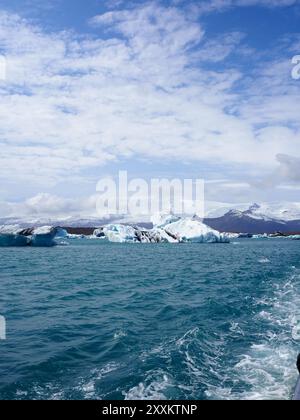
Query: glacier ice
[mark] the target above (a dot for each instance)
(16, 236)
(120, 233)
(161, 220)
(43, 236)
(61, 233)
(193, 230)
(99, 233)
(129, 234)
(10, 236)
(169, 229)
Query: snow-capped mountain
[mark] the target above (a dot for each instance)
(264, 218)
(245, 218)
(283, 210)
(75, 222)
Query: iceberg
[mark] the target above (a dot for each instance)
(194, 230)
(16, 236)
(75, 236)
(128, 234)
(61, 233)
(167, 229)
(10, 236)
(120, 233)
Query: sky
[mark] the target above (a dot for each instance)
(170, 88)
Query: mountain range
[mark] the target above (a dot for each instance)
(254, 219)
(257, 220)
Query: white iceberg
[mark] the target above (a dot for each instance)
(61, 233)
(232, 235)
(120, 233)
(128, 234)
(170, 229)
(75, 236)
(193, 230)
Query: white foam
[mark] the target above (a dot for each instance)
(235, 328)
(264, 260)
(119, 334)
(267, 371)
(87, 386)
(150, 389)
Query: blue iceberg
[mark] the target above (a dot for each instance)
(16, 236)
(10, 236)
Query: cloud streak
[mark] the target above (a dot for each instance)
(222, 5)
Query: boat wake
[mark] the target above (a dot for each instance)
(267, 371)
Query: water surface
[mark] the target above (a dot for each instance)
(95, 320)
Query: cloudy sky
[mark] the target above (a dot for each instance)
(168, 88)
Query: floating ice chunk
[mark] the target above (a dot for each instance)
(10, 236)
(120, 233)
(178, 230)
(61, 233)
(264, 260)
(193, 230)
(261, 236)
(16, 236)
(233, 235)
(75, 236)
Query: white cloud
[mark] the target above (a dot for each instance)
(43, 206)
(74, 103)
(289, 167)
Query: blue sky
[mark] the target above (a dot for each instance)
(198, 89)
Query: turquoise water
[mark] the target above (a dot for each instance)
(108, 321)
